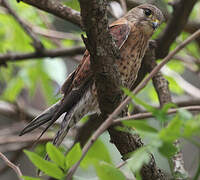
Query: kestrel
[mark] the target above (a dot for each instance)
(131, 34)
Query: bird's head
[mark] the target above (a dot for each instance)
(147, 16)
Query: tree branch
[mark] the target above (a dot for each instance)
(13, 57)
(58, 9)
(11, 165)
(145, 115)
(15, 157)
(30, 138)
(54, 34)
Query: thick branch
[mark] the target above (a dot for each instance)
(103, 54)
(175, 25)
(58, 9)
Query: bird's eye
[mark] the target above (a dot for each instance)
(147, 12)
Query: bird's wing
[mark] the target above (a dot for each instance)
(120, 31)
(77, 82)
(81, 74)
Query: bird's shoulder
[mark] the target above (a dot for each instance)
(120, 31)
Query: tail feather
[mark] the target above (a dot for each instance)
(63, 131)
(43, 118)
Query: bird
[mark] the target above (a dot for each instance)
(131, 34)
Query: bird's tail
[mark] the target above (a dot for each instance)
(66, 105)
(43, 118)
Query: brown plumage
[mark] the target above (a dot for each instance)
(131, 34)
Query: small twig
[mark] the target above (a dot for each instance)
(55, 34)
(121, 164)
(150, 115)
(190, 102)
(15, 157)
(25, 139)
(11, 165)
(13, 57)
(49, 25)
(185, 85)
(36, 42)
(116, 112)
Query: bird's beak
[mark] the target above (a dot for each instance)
(155, 24)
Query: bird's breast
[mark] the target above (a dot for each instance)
(132, 53)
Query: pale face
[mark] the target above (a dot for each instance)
(147, 17)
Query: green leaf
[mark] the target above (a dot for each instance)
(98, 152)
(167, 106)
(47, 167)
(167, 149)
(130, 107)
(161, 114)
(40, 150)
(30, 178)
(73, 156)
(13, 89)
(84, 119)
(140, 125)
(172, 131)
(137, 175)
(138, 101)
(173, 86)
(106, 171)
(55, 155)
(192, 127)
(177, 66)
(138, 159)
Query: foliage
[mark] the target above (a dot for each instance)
(59, 165)
(181, 125)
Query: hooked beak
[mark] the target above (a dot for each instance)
(155, 24)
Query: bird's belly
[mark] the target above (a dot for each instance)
(128, 69)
